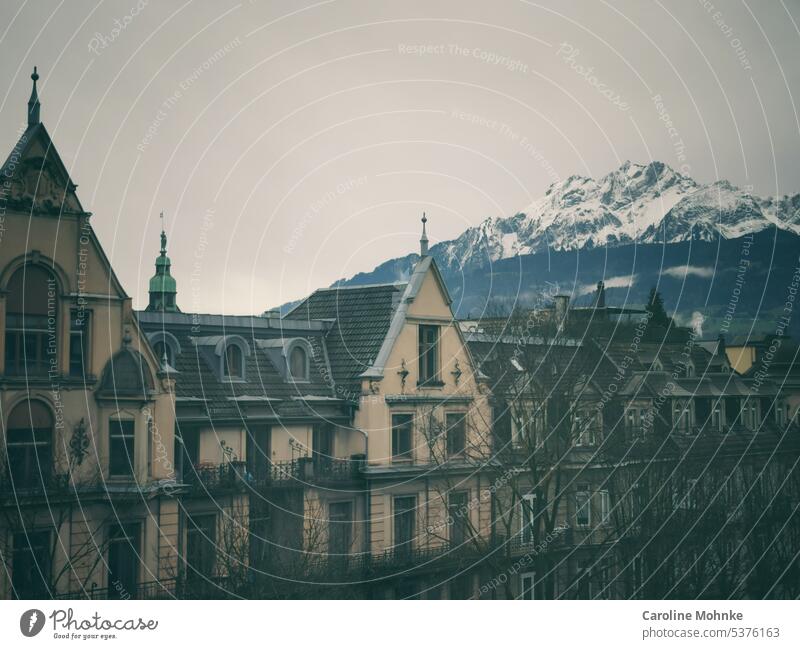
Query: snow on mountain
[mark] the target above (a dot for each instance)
(635, 203)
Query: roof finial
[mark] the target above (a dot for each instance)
(423, 242)
(163, 237)
(33, 102)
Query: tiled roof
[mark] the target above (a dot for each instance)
(198, 381)
(361, 317)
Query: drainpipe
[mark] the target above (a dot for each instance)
(368, 497)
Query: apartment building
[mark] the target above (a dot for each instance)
(87, 414)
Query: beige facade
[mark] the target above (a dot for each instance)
(75, 372)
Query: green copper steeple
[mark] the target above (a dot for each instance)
(163, 288)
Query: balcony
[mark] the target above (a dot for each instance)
(304, 471)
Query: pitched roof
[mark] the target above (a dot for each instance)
(361, 317)
(197, 379)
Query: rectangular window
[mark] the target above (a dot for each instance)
(405, 524)
(79, 343)
(585, 427)
(456, 433)
(27, 344)
(583, 506)
(605, 507)
(30, 456)
(124, 559)
(121, 447)
(340, 535)
(527, 517)
(30, 566)
(402, 435)
(458, 518)
(201, 546)
(716, 416)
(428, 354)
(528, 585)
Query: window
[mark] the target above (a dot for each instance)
(456, 433)
(458, 518)
(340, 536)
(461, 586)
(121, 447)
(79, 343)
(163, 350)
(780, 415)
(686, 500)
(31, 319)
(716, 416)
(233, 363)
(583, 506)
(527, 582)
(527, 517)
(605, 507)
(29, 443)
(584, 425)
(123, 560)
(201, 546)
(680, 415)
(405, 511)
(298, 363)
(428, 354)
(402, 432)
(30, 565)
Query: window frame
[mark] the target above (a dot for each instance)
(130, 452)
(86, 346)
(226, 365)
(299, 347)
(411, 512)
(429, 355)
(583, 491)
(462, 425)
(407, 455)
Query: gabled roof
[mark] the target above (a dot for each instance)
(361, 317)
(399, 318)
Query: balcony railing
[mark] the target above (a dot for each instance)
(293, 473)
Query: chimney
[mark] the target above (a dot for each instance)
(561, 306)
(600, 296)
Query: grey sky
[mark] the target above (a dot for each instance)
(306, 149)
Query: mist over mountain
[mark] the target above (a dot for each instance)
(638, 226)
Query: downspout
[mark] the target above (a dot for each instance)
(368, 498)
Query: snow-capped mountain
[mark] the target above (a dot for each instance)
(635, 203)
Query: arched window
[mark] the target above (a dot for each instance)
(29, 440)
(233, 363)
(31, 321)
(162, 348)
(298, 363)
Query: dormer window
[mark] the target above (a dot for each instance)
(233, 362)
(163, 350)
(298, 363)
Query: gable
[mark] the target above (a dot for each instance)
(38, 181)
(431, 300)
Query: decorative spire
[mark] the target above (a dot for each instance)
(33, 102)
(163, 237)
(423, 242)
(163, 289)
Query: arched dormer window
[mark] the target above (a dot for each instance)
(29, 443)
(298, 363)
(233, 362)
(163, 343)
(31, 320)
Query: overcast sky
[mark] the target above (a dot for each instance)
(291, 144)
